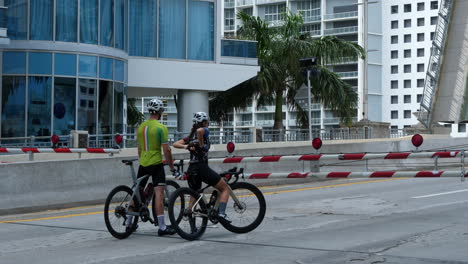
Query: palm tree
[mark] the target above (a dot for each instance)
(279, 51)
(134, 116)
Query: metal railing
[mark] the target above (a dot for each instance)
(263, 2)
(244, 2)
(238, 48)
(33, 141)
(351, 14)
(341, 30)
(229, 4)
(347, 74)
(229, 27)
(435, 62)
(303, 134)
(308, 19)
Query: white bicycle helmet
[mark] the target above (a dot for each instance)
(155, 106)
(200, 117)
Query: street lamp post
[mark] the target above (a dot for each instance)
(307, 64)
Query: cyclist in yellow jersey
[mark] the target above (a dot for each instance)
(152, 136)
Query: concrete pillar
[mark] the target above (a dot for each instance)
(188, 103)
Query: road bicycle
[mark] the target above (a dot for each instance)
(189, 210)
(119, 208)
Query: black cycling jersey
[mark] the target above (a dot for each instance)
(199, 154)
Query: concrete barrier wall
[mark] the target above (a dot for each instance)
(55, 183)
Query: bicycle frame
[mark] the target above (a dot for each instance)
(216, 206)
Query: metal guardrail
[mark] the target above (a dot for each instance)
(351, 14)
(229, 4)
(244, 2)
(347, 74)
(308, 19)
(341, 30)
(435, 62)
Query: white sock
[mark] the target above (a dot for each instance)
(161, 223)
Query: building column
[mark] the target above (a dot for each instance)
(188, 103)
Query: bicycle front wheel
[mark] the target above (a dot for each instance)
(115, 212)
(188, 213)
(249, 213)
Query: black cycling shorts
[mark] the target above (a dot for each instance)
(157, 173)
(200, 172)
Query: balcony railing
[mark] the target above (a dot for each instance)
(331, 120)
(238, 48)
(308, 19)
(263, 2)
(244, 2)
(169, 123)
(229, 4)
(275, 23)
(244, 123)
(341, 15)
(347, 74)
(341, 30)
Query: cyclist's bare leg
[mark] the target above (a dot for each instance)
(159, 203)
(223, 188)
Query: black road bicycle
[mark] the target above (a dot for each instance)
(189, 210)
(119, 208)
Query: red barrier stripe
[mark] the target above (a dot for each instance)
(397, 155)
(3, 150)
(233, 160)
(259, 175)
(310, 157)
(62, 150)
(428, 174)
(95, 150)
(338, 174)
(445, 154)
(270, 159)
(297, 175)
(352, 156)
(33, 150)
(382, 174)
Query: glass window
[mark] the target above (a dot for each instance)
(394, 114)
(119, 70)
(421, 6)
(407, 114)
(407, 38)
(143, 23)
(88, 66)
(42, 19)
(421, 52)
(407, 83)
(407, 23)
(420, 37)
(65, 64)
(89, 21)
(118, 107)
(407, 8)
(434, 5)
(407, 53)
(120, 24)
(17, 18)
(105, 68)
(40, 63)
(432, 35)
(394, 69)
(39, 95)
(172, 29)
(407, 99)
(394, 9)
(201, 30)
(394, 99)
(394, 84)
(421, 22)
(433, 20)
(420, 67)
(394, 39)
(14, 62)
(420, 83)
(107, 23)
(87, 97)
(105, 107)
(13, 106)
(394, 54)
(407, 68)
(419, 98)
(66, 20)
(394, 24)
(64, 105)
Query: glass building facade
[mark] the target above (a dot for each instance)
(66, 66)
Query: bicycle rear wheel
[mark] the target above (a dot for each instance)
(249, 215)
(115, 212)
(188, 213)
(171, 186)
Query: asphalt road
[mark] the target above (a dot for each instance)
(358, 221)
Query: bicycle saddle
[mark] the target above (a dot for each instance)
(129, 162)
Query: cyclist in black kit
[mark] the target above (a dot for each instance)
(198, 143)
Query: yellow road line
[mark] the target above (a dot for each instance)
(267, 193)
